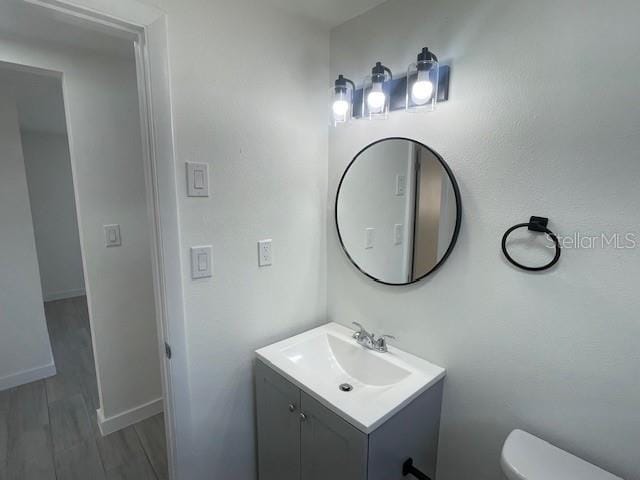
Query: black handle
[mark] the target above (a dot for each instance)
(409, 469)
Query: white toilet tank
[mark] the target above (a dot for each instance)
(525, 457)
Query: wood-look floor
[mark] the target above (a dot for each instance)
(48, 428)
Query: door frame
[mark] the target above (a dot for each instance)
(147, 28)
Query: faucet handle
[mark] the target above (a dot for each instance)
(381, 342)
(356, 335)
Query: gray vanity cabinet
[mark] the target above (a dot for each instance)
(301, 439)
(278, 403)
(331, 448)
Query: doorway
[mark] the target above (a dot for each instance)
(71, 416)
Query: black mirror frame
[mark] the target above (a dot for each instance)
(456, 231)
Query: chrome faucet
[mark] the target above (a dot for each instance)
(369, 340)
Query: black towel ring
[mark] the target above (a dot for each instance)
(535, 224)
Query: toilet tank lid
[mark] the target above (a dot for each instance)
(526, 457)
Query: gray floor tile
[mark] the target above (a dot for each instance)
(80, 338)
(152, 435)
(4, 437)
(69, 423)
(58, 315)
(87, 378)
(28, 406)
(76, 319)
(63, 357)
(4, 432)
(81, 462)
(30, 453)
(4, 400)
(31, 471)
(66, 383)
(29, 445)
(139, 469)
(55, 323)
(80, 305)
(119, 448)
(29, 448)
(93, 422)
(48, 429)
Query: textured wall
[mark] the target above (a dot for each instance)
(24, 340)
(53, 208)
(249, 89)
(543, 120)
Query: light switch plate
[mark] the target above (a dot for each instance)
(369, 238)
(197, 179)
(112, 236)
(201, 262)
(401, 185)
(398, 234)
(265, 254)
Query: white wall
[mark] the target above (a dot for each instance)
(53, 209)
(25, 351)
(249, 97)
(543, 120)
(104, 134)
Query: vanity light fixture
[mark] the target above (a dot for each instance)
(341, 99)
(422, 83)
(375, 98)
(425, 84)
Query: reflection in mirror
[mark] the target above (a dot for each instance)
(397, 211)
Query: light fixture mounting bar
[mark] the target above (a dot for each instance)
(397, 91)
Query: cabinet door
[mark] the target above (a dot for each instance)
(332, 449)
(277, 403)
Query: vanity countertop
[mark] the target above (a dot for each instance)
(320, 360)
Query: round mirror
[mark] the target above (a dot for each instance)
(398, 211)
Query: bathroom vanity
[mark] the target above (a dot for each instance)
(334, 404)
(329, 409)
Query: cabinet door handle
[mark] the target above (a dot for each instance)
(292, 407)
(303, 417)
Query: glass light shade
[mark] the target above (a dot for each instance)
(375, 98)
(422, 86)
(340, 104)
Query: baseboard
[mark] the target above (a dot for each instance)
(129, 417)
(27, 376)
(50, 297)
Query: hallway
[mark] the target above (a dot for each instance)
(48, 428)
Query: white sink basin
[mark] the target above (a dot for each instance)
(320, 360)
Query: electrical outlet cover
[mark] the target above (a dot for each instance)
(265, 254)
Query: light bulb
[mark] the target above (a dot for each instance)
(376, 98)
(422, 89)
(340, 108)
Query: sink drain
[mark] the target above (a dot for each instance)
(346, 387)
